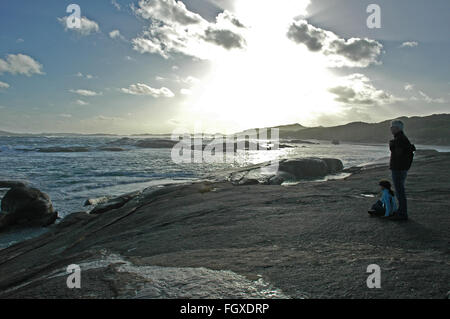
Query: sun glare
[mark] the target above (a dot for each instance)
(272, 81)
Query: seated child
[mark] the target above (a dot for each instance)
(387, 205)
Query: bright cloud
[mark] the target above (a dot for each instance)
(87, 26)
(175, 29)
(4, 85)
(427, 99)
(411, 44)
(20, 64)
(116, 5)
(143, 89)
(86, 76)
(81, 102)
(423, 96)
(115, 34)
(86, 93)
(107, 118)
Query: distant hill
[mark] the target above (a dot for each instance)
(431, 130)
(288, 129)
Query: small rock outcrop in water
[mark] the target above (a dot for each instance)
(145, 143)
(112, 149)
(287, 170)
(125, 141)
(153, 143)
(167, 144)
(57, 149)
(310, 167)
(11, 184)
(26, 206)
(296, 141)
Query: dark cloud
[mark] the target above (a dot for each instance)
(348, 95)
(228, 16)
(225, 38)
(363, 51)
(354, 52)
(312, 37)
(357, 89)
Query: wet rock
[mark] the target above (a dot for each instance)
(206, 188)
(304, 167)
(114, 203)
(353, 169)
(57, 149)
(426, 153)
(334, 165)
(112, 149)
(123, 142)
(73, 219)
(11, 184)
(152, 143)
(301, 142)
(233, 146)
(96, 201)
(280, 177)
(26, 206)
(287, 170)
(281, 146)
(335, 142)
(311, 167)
(248, 181)
(276, 180)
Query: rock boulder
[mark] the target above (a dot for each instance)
(288, 170)
(304, 167)
(28, 207)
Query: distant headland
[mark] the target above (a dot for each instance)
(428, 130)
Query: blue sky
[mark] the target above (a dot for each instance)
(159, 65)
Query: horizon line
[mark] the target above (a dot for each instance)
(217, 133)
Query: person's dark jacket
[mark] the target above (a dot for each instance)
(402, 152)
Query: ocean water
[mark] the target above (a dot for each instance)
(71, 178)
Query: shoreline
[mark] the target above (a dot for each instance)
(311, 240)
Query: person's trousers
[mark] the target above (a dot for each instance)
(399, 178)
(378, 209)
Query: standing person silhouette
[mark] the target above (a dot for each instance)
(402, 155)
